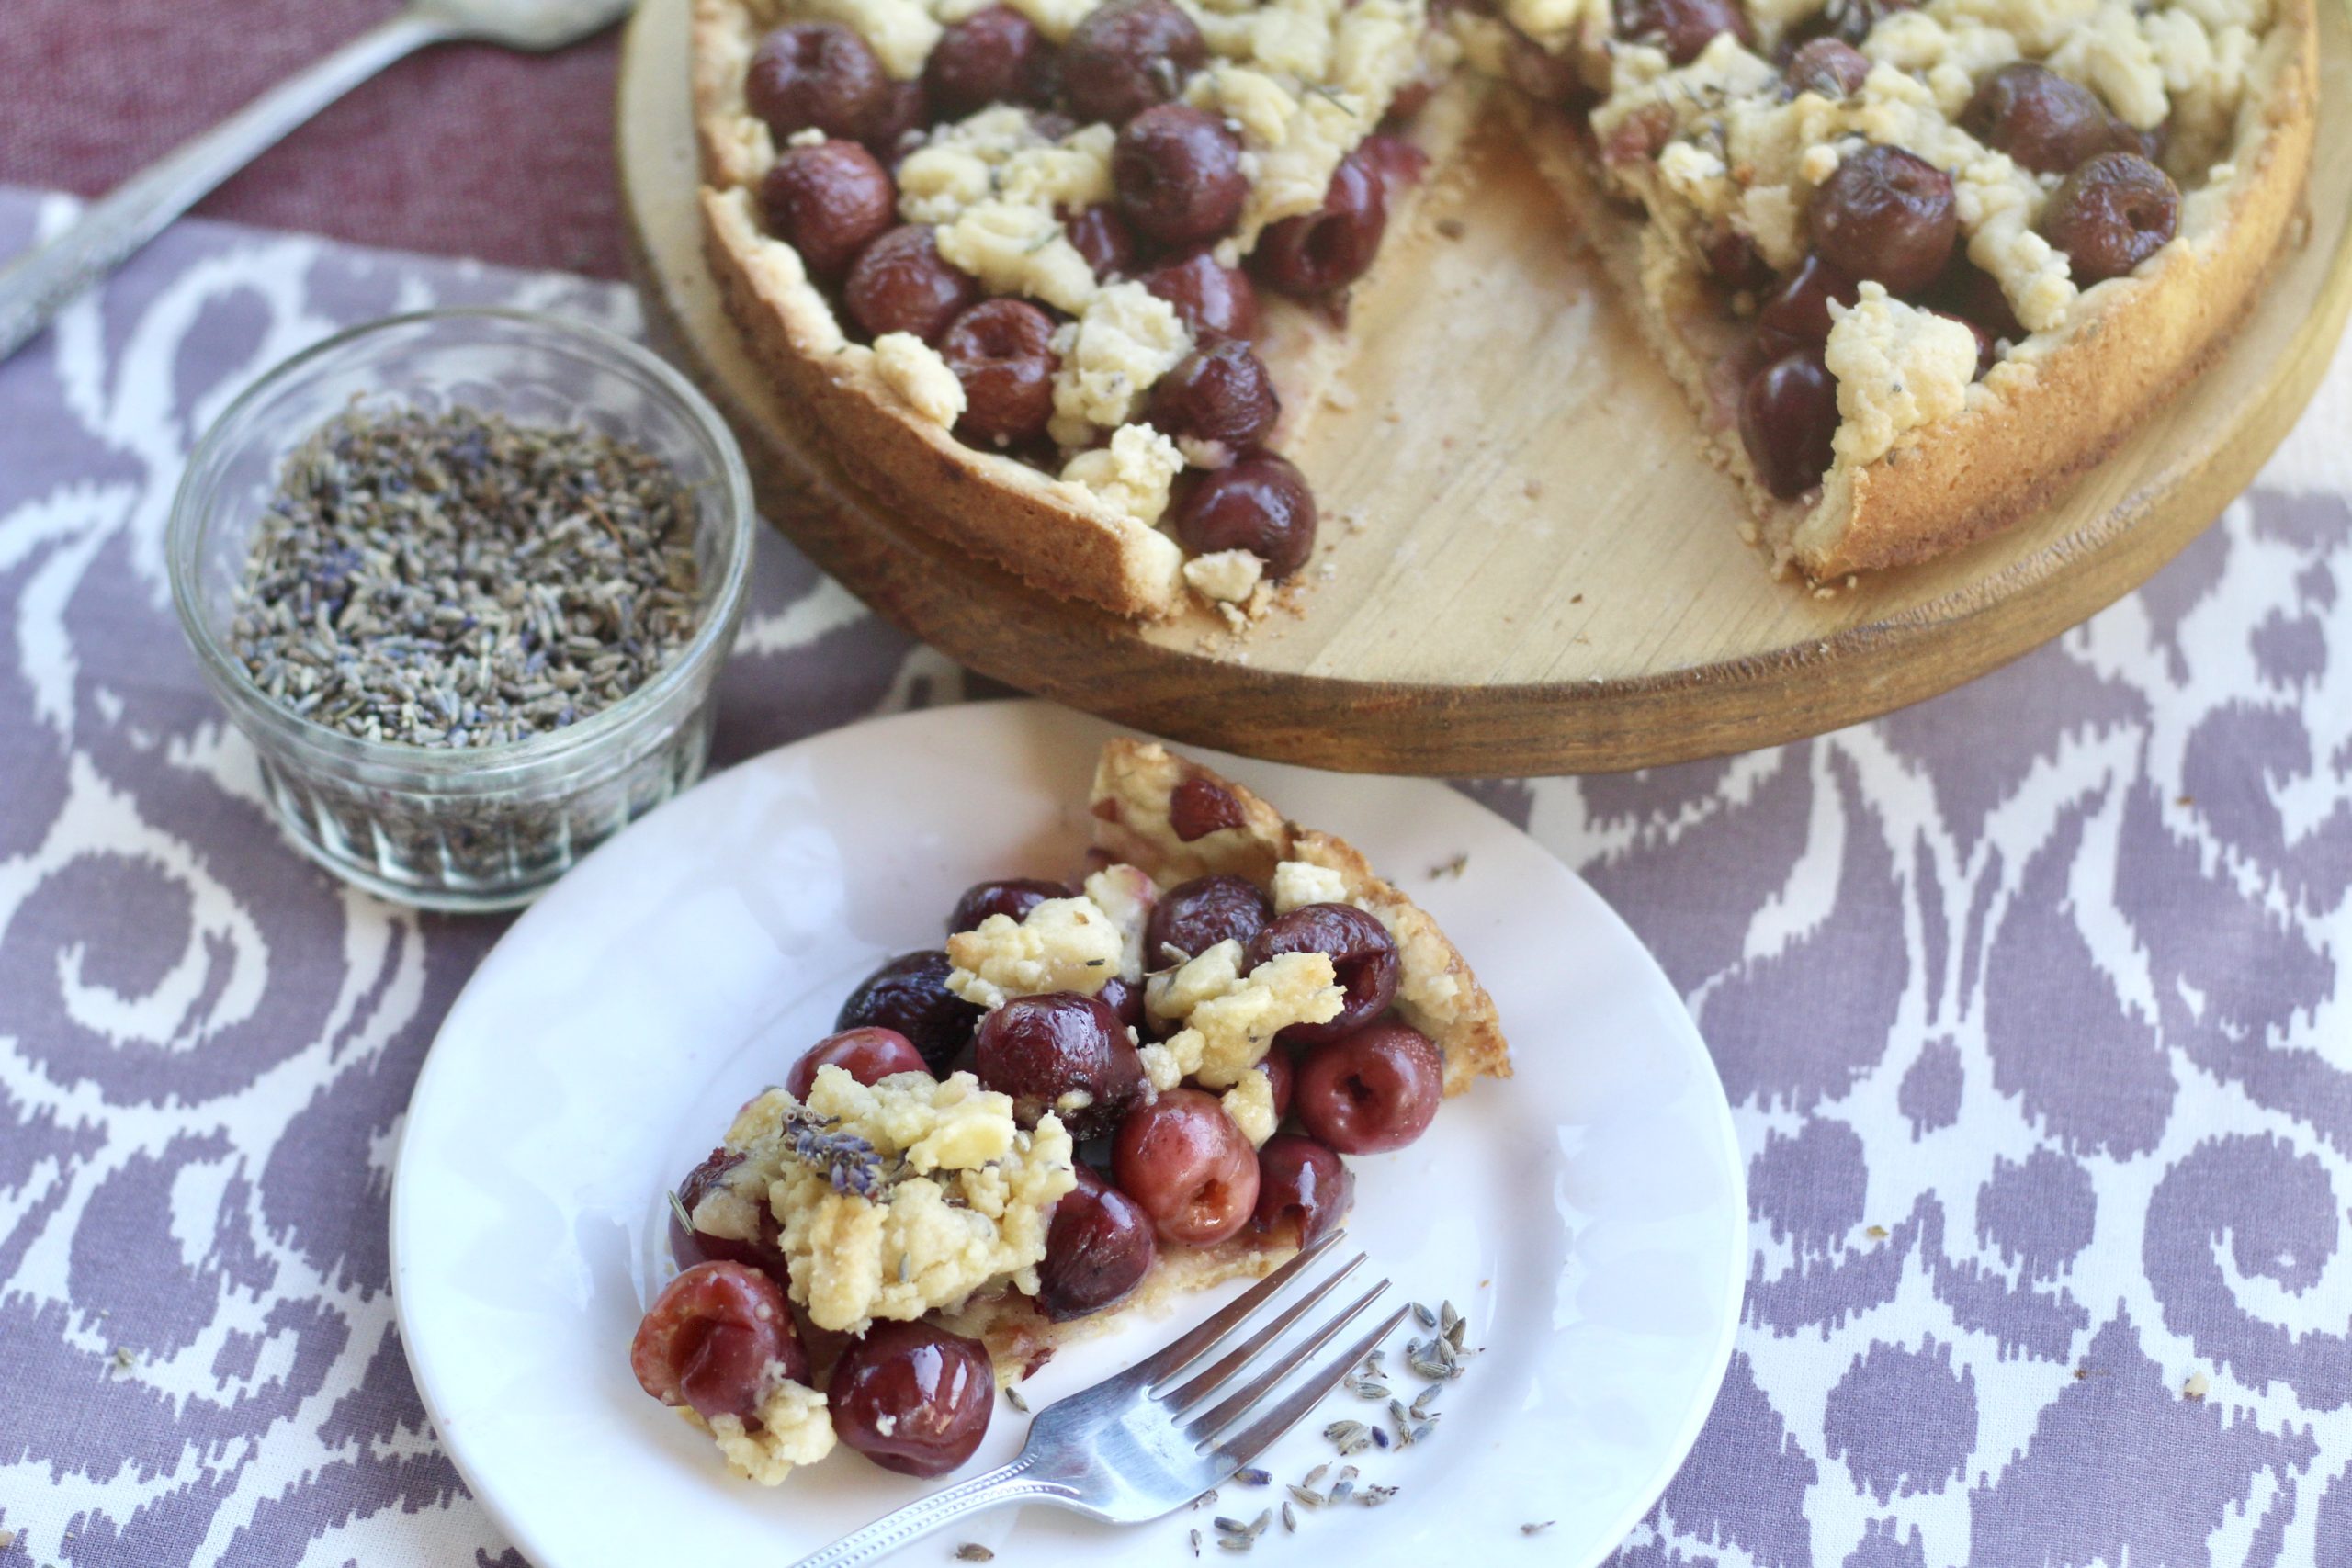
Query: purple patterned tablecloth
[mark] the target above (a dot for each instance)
(2032, 1004)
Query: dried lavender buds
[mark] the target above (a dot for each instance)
(460, 579)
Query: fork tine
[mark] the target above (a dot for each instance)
(1235, 1406)
(1205, 1384)
(1248, 1443)
(1184, 1350)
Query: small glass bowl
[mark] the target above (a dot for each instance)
(484, 828)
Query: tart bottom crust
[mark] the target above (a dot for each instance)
(2129, 345)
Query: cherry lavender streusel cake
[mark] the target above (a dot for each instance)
(1058, 275)
(1095, 1096)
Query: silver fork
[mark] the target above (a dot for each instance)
(1143, 1444)
(39, 285)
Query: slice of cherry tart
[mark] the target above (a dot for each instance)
(1096, 1094)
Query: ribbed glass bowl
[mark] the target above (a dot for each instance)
(484, 828)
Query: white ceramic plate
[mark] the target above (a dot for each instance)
(1588, 1214)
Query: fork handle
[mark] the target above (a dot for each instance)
(1011, 1484)
(37, 286)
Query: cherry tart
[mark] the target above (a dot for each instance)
(1064, 280)
(1097, 1094)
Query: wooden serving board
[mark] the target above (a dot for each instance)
(1532, 567)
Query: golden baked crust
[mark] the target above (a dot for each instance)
(2127, 346)
(1436, 993)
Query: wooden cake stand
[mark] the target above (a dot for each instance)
(1531, 568)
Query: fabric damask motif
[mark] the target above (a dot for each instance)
(2030, 1000)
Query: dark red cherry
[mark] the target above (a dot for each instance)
(2041, 120)
(905, 116)
(1787, 418)
(816, 75)
(1128, 56)
(2111, 214)
(868, 1054)
(1363, 957)
(1281, 1077)
(1124, 999)
(909, 994)
(1001, 352)
(707, 1339)
(1830, 66)
(1849, 21)
(1063, 1052)
(690, 1247)
(1968, 292)
(995, 56)
(1212, 299)
(1198, 808)
(1102, 237)
(913, 1397)
(1887, 215)
(1261, 504)
(1733, 261)
(1219, 394)
(828, 202)
(1192, 917)
(1011, 896)
(901, 284)
(1177, 171)
(1098, 1249)
(1304, 1189)
(1397, 161)
(1187, 1166)
(1681, 27)
(1371, 1091)
(1315, 253)
(1796, 313)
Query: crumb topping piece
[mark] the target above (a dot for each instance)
(1063, 944)
(1898, 367)
(795, 1428)
(1229, 1019)
(1298, 882)
(1250, 1104)
(917, 373)
(899, 1197)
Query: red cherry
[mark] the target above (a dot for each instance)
(1364, 958)
(867, 1055)
(1371, 1091)
(1184, 1162)
(708, 1337)
(1098, 1249)
(913, 1397)
(1303, 1187)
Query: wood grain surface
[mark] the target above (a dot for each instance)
(1530, 567)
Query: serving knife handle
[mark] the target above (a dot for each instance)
(37, 285)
